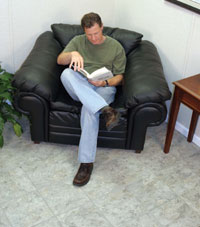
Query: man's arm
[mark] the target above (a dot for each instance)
(114, 81)
(64, 58)
(71, 58)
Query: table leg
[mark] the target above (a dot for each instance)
(193, 123)
(172, 120)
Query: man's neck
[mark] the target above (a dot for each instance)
(103, 39)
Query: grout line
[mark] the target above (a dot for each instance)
(192, 207)
(11, 36)
(7, 219)
(188, 46)
(100, 213)
(41, 197)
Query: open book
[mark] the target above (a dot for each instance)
(99, 74)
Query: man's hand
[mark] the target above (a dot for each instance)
(76, 61)
(97, 83)
(114, 81)
(71, 58)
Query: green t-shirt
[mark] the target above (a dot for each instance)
(109, 54)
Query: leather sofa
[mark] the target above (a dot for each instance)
(55, 117)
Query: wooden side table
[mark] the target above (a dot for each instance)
(187, 91)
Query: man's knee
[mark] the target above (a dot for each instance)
(66, 75)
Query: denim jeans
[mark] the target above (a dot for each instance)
(93, 99)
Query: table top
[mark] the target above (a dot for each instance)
(191, 85)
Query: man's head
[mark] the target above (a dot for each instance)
(93, 27)
(88, 20)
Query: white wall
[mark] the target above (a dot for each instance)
(173, 29)
(176, 33)
(21, 21)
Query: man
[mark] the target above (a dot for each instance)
(92, 51)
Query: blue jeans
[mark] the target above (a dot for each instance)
(93, 99)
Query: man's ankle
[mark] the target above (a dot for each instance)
(105, 108)
(111, 117)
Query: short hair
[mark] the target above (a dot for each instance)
(88, 20)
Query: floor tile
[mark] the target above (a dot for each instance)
(55, 167)
(62, 197)
(192, 197)
(4, 220)
(52, 222)
(27, 211)
(180, 178)
(126, 189)
(176, 213)
(83, 216)
(119, 205)
(14, 183)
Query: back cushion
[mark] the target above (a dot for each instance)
(128, 39)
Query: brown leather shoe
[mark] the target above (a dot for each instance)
(111, 117)
(83, 175)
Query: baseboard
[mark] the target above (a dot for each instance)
(184, 131)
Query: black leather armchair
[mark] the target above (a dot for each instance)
(54, 116)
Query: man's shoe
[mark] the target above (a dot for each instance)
(111, 117)
(83, 175)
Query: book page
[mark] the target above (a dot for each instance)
(101, 74)
(84, 72)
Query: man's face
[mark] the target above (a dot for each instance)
(95, 34)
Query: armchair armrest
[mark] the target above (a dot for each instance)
(144, 80)
(40, 74)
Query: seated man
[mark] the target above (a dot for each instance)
(92, 51)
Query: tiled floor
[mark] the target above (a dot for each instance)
(126, 189)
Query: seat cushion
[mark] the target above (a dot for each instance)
(65, 103)
(128, 39)
(64, 120)
(65, 128)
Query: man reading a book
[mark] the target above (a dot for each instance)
(92, 51)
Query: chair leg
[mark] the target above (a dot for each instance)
(138, 151)
(36, 142)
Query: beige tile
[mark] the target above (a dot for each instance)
(151, 195)
(192, 196)
(50, 169)
(52, 222)
(61, 197)
(118, 204)
(4, 220)
(180, 178)
(28, 210)
(84, 215)
(126, 189)
(176, 213)
(13, 184)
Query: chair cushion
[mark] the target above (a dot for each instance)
(128, 39)
(65, 103)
